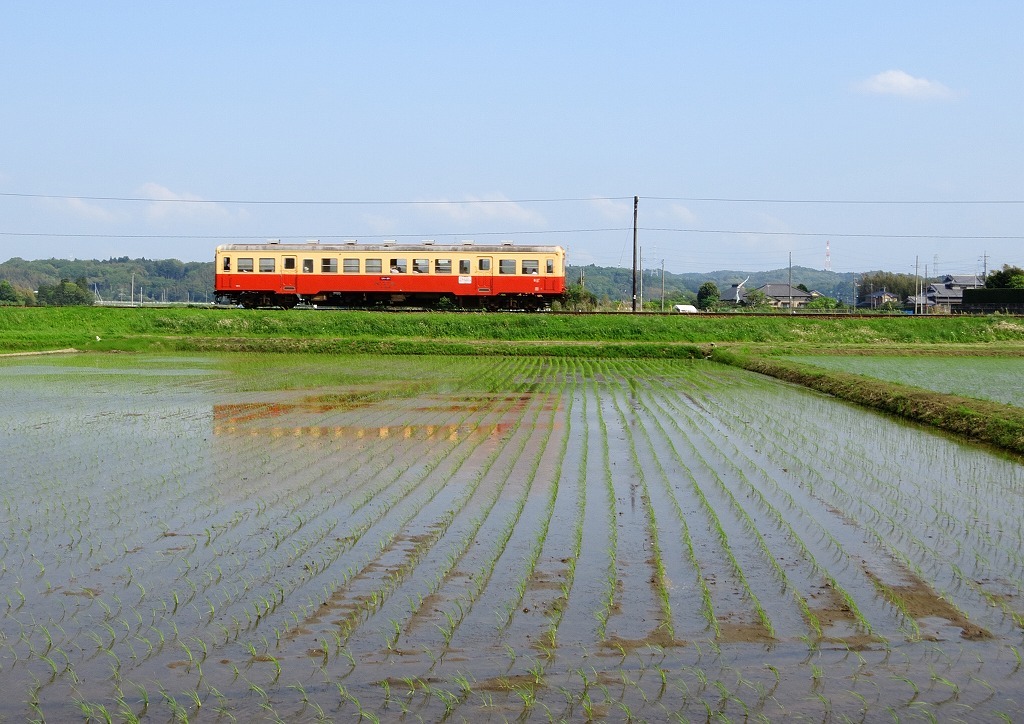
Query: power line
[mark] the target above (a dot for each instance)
(423, 202)
(720, 199)
(301, 202)
(464, 234)
(946, 237)
(532, 232)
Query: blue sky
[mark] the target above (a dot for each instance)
(160, 129)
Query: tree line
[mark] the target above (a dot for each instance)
(78, 281)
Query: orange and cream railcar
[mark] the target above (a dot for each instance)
(499, 276)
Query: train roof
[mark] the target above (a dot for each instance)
(396, 247)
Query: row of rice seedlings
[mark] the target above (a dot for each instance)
(660, 578)
(783, 522)
(707, 605)
(353, 535)
(497, 482)
(410, 561)
(811, 473)
(556, 610)
(387, 505)
(480, 572)
(528, 572)
(611, 576)
(110, 645)
(896, 529)
(717, 524)
(665, 407)
(900, 529)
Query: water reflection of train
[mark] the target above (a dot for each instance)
(467, 275)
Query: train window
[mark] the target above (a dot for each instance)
(374, 266)
(328, 266)
(307, 266)
(464, 266)
(289, 263)
(506, 266)
(483, 264)
(551, 266)
(442, 266)
(266, 264)
(398, 266)
(245, 265)
(227, 263)
(421, 266)
(350, 266)
(531, 266)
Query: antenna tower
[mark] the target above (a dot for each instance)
(828, 256)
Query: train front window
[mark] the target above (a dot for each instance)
(227, 263)
(307, 266)
(531, 266)
(328, 266)
(267, 264)
(374, 266)
(465, 267)
(350, 266)
(245, 265)
(397, 266)
(442, 266)
(506, 266)
(551, 266)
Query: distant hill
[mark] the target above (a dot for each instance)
(175, 281)
(160, 280)
(616, 284)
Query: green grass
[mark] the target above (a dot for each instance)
(160, 329)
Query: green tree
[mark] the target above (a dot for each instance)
(822, 303)
(578, 299)
(707, 296)
(65, 294)
(1009, 277)
(756, 299)
(8, 294)
(901, 285)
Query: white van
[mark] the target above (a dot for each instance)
(684, 309)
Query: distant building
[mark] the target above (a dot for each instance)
(948, 294)
(779, 296)
(878, 299)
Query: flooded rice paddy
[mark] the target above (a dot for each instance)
(985, 378)
(410, 539)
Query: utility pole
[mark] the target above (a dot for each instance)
(636, 251)
(641, 269)
(790, 282)
(663, 285)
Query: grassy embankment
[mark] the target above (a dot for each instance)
(752, 342)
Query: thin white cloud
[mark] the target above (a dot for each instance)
(89, 211)
(173, 205)
(901, 83)
(493, 207)
(678, 211)
(613, 210)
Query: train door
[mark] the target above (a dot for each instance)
(483, 274)
(289, 274)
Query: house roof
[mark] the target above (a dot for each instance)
(945, 293)
(969, 281)
(774, 291)
(783, 291)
